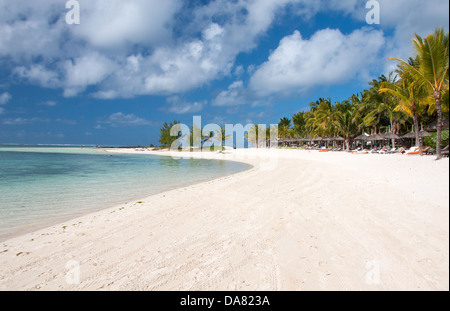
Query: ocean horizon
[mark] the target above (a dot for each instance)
(42, 185)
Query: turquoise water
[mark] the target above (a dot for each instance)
(40, 187)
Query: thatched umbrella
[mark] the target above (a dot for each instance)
(432, 127)
(390, 135)
(375, 137)
(362, 137)
(338, 138)
(422, 134)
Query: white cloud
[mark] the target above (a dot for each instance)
(177, 106)
(328, 57)
(120, 119)
(24, 121)
(39, 75)
(161, 65)
(84, 71)
(48, 103)
(233, 96)
(5, 98)
(2, 110)
(117, 23)
(139, 47)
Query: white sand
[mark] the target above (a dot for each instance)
(297, 221)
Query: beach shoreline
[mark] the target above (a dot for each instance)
(97, 204)
(297, 220)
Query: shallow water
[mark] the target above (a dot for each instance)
(42, 186)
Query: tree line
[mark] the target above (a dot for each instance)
(415, 93)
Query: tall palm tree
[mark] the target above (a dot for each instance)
(433, 54)
(284, 126)
(346, 121)
(323, 118)
(300, 127)
(412, 95)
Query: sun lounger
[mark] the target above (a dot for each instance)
(444, 152)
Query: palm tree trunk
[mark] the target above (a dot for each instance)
(417, 130)
(437, 97)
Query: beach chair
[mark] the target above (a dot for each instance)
(445, 152)
(431, 151)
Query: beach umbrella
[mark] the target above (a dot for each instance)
(375, 137)
(432, 127)
(338, 138)
(390, 135)
(410, 135)
(317, 138)
(422, 134)
(362, 137)
(303, 139)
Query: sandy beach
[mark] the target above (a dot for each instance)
(297, 220)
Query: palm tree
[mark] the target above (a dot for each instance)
(412, 95)
(433, 54)
(165, 138)
(300, 127)
(284, 126)
(383, 106)
(346, 120)
(257, 135)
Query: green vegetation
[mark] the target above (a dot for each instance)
(432, 141)
(413, 95)
(165, 139)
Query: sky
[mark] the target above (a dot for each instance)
(129, 66)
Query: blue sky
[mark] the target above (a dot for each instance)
(130, 66)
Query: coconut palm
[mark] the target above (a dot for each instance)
(346, 121)
(433, 54)
(300, 127)
(382, 106)
(284, 127)
(322, 122)
(412, 95)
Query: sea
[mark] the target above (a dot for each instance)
(41, 186)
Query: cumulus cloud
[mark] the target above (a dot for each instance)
(40, 75)
(120, 119)
(117, 23)
(48, 103)
(178, 106)
(233, 96)
(328, 57)
(24, 121)
(5, 98)
(152, 47)
(130, 46)
(84, 71)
